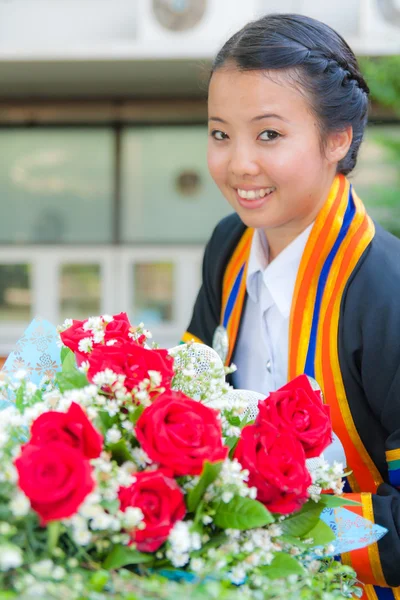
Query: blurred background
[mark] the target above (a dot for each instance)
(106, 202)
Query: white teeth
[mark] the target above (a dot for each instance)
(253, 194)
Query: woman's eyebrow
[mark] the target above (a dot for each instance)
(269, 116)
(257, 118)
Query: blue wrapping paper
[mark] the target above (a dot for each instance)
(37, 353)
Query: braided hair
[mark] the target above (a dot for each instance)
(320, 63)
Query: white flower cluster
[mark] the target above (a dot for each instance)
(232, 481)
(256, 547)
(138, 331)
(10, 557)
(182, 540)
(94, 515)
(327, 477)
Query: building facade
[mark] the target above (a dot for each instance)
(106, 202)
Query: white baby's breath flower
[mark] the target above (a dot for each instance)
(93, 324)
(98, 336)
(132, 517)
(43, 568)
(111, 342)
(82, 536)
(155, 378)
(197, 565)
(21, 375)
(105, 521)
(113, 435)
(227, 497)
(107, 318)
(143, 397)
(238, 575)
(20, 505)
(178, 560)
(179, 537)
(58, 573)
(86, 345)
(84, 366)
(10, 557)
(141, 458)
(66, 325)
(31, 388)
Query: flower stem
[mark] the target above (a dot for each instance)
(53, 534)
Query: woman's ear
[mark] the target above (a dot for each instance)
(338, 144)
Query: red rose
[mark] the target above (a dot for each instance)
(180, 434)
(133, 361)
(276, 465)
(56, 478)
(161, 502)
(72, 428)
(118, 329)
(298, 408)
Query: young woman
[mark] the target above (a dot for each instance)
(299, 279)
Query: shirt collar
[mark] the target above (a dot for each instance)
(279, 277)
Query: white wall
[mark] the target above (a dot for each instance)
(128, 29)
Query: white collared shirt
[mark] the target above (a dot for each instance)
(262, 349)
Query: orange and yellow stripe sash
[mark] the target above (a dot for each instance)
(340, 236)
(338, 239)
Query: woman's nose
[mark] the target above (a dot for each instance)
(243, 161)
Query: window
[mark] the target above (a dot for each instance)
(80, 291)
(15, 293)
(168, 195)
(153, 293)
(56, 185)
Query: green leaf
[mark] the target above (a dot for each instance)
(322, 534)
(208, 476)
(241, 513)
(68, 362)
(71, 380)
(233, 420)
(121, 556)
(282, 566)
(335, 501)
(134, 416)
(99, 580)
(64, 353)
(231, 442)
(302, 522)
(294, 541)
(19, 397)
(120, 451)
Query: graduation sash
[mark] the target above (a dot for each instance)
(339, 237)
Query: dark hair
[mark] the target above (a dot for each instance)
(322, 62)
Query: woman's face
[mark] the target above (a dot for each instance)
(264, 150)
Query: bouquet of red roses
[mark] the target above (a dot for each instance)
(117, 463)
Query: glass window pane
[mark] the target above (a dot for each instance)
(167, 193)
(15, 292)
(377, 175)
(56, 185)
(153, 292)
(80, 291)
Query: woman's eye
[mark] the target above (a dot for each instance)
(218, 135)
(269, 135)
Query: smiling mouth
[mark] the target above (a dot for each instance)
(254, 194)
